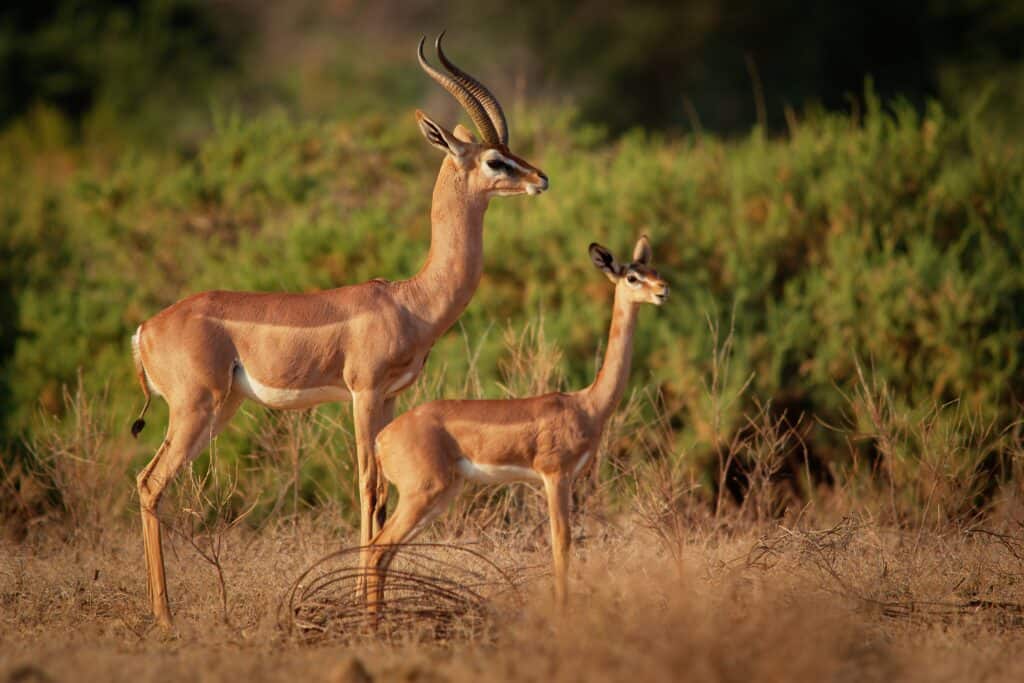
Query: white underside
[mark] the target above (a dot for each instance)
(495, 474)
(274, 397)
(507, 474)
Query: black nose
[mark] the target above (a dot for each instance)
(544, 180)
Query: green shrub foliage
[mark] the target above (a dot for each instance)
(892, 239)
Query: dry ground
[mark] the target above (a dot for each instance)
(847, 600)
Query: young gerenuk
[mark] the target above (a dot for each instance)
(429, 451)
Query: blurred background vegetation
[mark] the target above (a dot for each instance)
(153, 67)
(828, 187)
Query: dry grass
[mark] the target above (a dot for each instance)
(910, 567)
(852, 601)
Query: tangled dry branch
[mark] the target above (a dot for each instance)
(434, 591)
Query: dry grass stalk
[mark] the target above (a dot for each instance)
(83, 464)
(924, 466)
(207, 502)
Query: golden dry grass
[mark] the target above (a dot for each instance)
(851, 600)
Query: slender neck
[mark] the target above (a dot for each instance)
(606, 391)
(443, 287)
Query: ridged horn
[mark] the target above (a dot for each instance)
(484, 96)
(472, 106)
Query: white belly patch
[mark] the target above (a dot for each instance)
(274, 397)
(495, 474)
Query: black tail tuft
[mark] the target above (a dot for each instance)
(137, 427)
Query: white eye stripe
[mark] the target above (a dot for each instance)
(511, 163)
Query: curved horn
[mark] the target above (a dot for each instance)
(479, 91)
(472, 106)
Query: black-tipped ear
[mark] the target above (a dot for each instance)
(439, 137)
(642, 251)
(604, 261)
(431, 131)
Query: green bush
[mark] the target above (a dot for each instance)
(894, 240)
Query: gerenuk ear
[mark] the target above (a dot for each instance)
(441, 138)
(642, 251)
(605, 262)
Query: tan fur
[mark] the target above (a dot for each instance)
(370, 340)
(549, 435)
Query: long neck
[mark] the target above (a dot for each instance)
(606, 391)
(443, 287)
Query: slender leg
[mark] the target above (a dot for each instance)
(557, 488)
(156, 582)
(366, 407)
(190, 429)
(415, 511)
(188, 432)
(380, 513)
